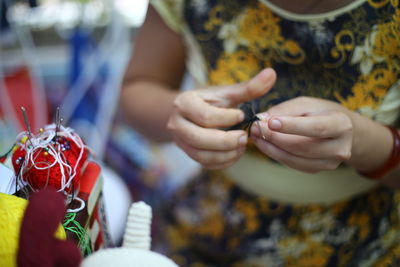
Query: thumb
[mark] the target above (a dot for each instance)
(254, 88)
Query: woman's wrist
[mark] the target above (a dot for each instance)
(391, 163)
(372, 144)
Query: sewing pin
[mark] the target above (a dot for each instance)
(57, 120)
(261, 130)
(26, 121)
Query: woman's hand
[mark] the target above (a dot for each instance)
(198, 116)
(307, 134)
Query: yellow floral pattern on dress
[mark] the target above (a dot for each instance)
(313, 256)
(344, 42)
(231, 68)
(379, 62)
(248, 209)
(262, 30)
(292, 235)
(249, 30)
(369, 90)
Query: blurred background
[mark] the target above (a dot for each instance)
(72, 54)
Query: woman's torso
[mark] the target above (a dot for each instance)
(348, 56)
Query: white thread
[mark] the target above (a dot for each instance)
(81, 207)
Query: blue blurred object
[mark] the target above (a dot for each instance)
(82, 46)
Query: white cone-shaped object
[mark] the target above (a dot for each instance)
(136, 244)
(137, 231)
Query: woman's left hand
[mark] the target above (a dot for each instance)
(305, 133)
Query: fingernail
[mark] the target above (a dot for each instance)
(275, 124)
(263, 116)
(243, 140)
(255, 130)
(241, 116)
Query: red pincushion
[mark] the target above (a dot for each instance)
(41, 178)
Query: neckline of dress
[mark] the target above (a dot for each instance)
(308, 17)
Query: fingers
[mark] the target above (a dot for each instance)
(220, 166)
(256, 87)
(205, 138)
(298, 106)
(195, 109)
(212, 108)
(306, 133)
(198, 114)
(213, 148)
(330, 125)
(307, 147)
(211, 159)
(293, 161)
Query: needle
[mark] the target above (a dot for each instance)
(58, 120)
(28, 127)
(261, 130)
(258, 122)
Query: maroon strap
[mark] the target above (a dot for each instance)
(392, 161)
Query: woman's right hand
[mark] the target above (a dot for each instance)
(198, 116)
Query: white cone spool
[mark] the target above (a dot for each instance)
(136, 245)
(137, 232)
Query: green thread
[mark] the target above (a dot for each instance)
(70, 224)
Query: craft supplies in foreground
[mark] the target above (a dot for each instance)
(56, 157)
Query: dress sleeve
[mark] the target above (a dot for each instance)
(171, 11)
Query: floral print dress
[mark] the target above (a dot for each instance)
(350, 56)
